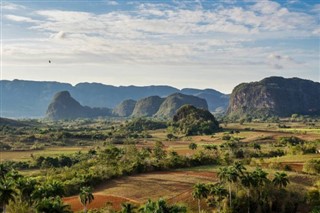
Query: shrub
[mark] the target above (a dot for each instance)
(312, 166)
(293, 141)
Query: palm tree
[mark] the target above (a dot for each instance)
(248, 181)
(127, 208)
(86, 197)
(48, 189)
(3, 171)
(230, 175)
(52, 205)
(280, 179)
(239, 167)
(149, 207)
(26, 187)
(261, 179)
(7, 192)
(218, 192)
(200, 191)
(260, 176)
(161, 206)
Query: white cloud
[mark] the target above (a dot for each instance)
(21, 19)
(266, 7)
(113, 3)
(59, 35)
(278, 61)
(11, 6)
(160, 33)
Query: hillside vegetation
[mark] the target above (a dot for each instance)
(193, 121)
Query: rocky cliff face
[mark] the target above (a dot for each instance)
(147, 106)
(275, 96)
(173, 102)
(125, 108)
(63, 106)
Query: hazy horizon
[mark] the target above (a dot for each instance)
(184, 44)
(180, 88)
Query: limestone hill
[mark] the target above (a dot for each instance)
(275, 96)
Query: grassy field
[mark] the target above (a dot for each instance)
(51, 151)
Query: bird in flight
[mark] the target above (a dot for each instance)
(49, 61)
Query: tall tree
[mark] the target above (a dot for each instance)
(280, 179)
(218, 192)
(248, 182)
(260, 177)
(86, 197)
(229, 175)
(26, 186)
(200, 191)
(261, 180)
(239, 167)
(7, 192)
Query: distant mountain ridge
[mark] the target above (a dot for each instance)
(275, 96)
(22, 98)
(63, 106)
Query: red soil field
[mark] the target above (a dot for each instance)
(98, 202)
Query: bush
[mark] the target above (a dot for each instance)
(312, 166)
(226, 137)
(293, 141)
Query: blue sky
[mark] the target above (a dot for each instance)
(199, 43)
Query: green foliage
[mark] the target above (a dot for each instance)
(7, 191)
(161, 206)
(51, 188)
(52, 205)
(127, 208)
(193, 121)
(226, 137)
(313, 197)
(142, 124)
(293, 141)
(171, 136)
(86, 196)
(312, 166)
(193, 146)
(200, 191)
(280, 179)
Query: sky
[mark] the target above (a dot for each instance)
(182, 43)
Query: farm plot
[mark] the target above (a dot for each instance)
(174, 186)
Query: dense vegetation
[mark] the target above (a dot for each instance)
(248, 159)
(193, 121)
